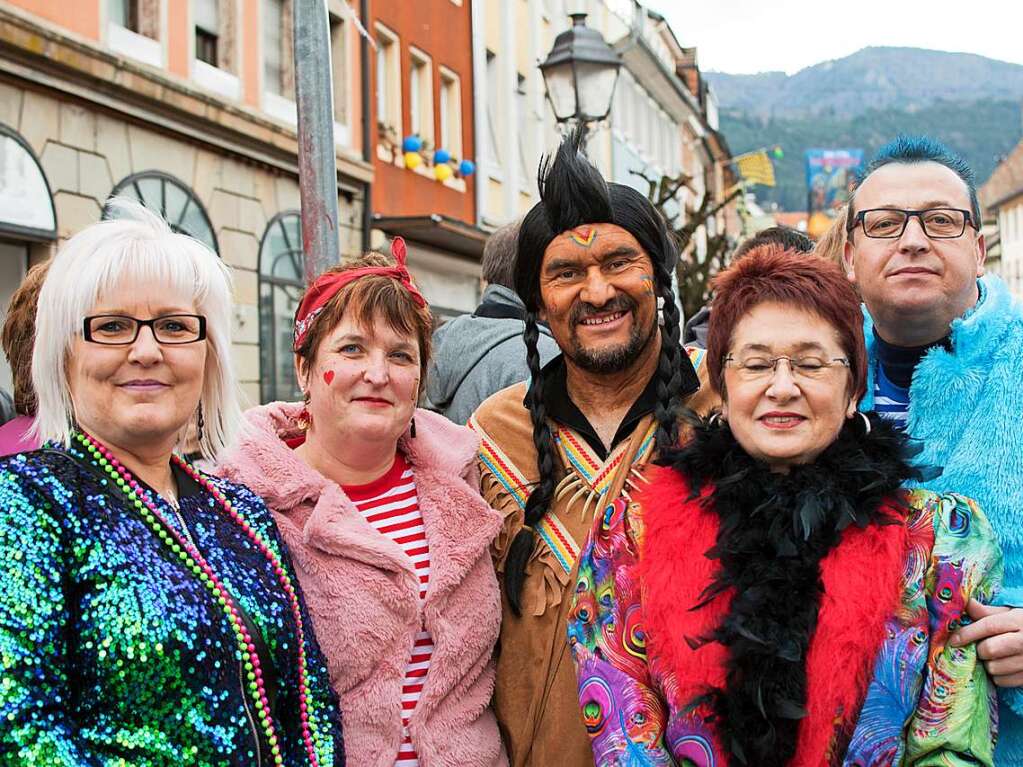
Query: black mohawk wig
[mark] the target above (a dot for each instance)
(573, 193)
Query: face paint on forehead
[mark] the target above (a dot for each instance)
(583, 235)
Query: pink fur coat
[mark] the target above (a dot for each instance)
(363, 594)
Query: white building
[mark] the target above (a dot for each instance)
(663, 119)
(1002, 199)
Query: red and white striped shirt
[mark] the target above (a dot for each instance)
(391, 505)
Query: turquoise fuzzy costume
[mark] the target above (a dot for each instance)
(966, 409)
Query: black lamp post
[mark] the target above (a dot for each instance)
(580, 74)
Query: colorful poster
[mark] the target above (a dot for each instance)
(830, 174)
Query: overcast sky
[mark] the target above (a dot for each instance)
(746, 36)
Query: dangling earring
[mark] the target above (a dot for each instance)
(412, 429)
(304, 419)
(200, 424)
(716, 420)
(866, 422)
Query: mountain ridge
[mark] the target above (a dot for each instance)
(970, 102)
(874, 77)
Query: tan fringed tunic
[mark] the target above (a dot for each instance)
(535, 699)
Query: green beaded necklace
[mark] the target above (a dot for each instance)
(195, 563)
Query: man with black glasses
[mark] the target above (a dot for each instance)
(945, 349)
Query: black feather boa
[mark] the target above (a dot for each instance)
(774, 531)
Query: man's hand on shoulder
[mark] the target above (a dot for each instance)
(998, 632)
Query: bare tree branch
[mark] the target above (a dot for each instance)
(694, 274)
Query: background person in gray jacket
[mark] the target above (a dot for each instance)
(481, 353)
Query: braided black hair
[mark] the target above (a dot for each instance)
(573, 193)
(540, 497)
(669, 364)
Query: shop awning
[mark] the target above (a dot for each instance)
(435, 230)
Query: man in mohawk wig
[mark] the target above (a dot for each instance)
(594, 262)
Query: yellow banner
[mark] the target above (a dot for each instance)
(756, 168)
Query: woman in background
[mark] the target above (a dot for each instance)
(19, 335)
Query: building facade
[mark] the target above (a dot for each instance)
(422, 135)
(514, 123)
(441, 120)
(187, 105)
(664, 124)
(1001, 197)
(663, 120)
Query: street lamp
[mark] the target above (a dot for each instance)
(580, 74)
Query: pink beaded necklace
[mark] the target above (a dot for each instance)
(182, 548)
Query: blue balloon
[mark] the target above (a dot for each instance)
(411, 144)
(466, 167)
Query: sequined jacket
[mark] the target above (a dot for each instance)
(113, 652)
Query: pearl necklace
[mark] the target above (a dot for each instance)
(190, 557)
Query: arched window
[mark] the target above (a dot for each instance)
(26, 205)
(280, 289)
(26, 215)
(170, 198)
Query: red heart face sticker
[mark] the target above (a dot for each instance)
(328, 376)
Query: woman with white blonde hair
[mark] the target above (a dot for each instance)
(148, 612)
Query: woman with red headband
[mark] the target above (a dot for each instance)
(379, 504)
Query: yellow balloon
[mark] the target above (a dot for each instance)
(413, 160)
(442, 172)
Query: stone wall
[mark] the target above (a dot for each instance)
(85, 152)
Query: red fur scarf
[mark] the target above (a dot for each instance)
(858, 588)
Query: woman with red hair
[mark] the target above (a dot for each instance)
(774, 597)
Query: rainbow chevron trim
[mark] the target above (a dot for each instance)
(578, 454)
(593, 472)
(502, 468)
(558, 540)
(550, 529)
(696, 356)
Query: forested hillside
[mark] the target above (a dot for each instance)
(971, 103)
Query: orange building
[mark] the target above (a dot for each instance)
(187, 105)
(422, 87)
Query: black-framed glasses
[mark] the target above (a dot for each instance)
(890, 223)
(758, 367)
(121, 330)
